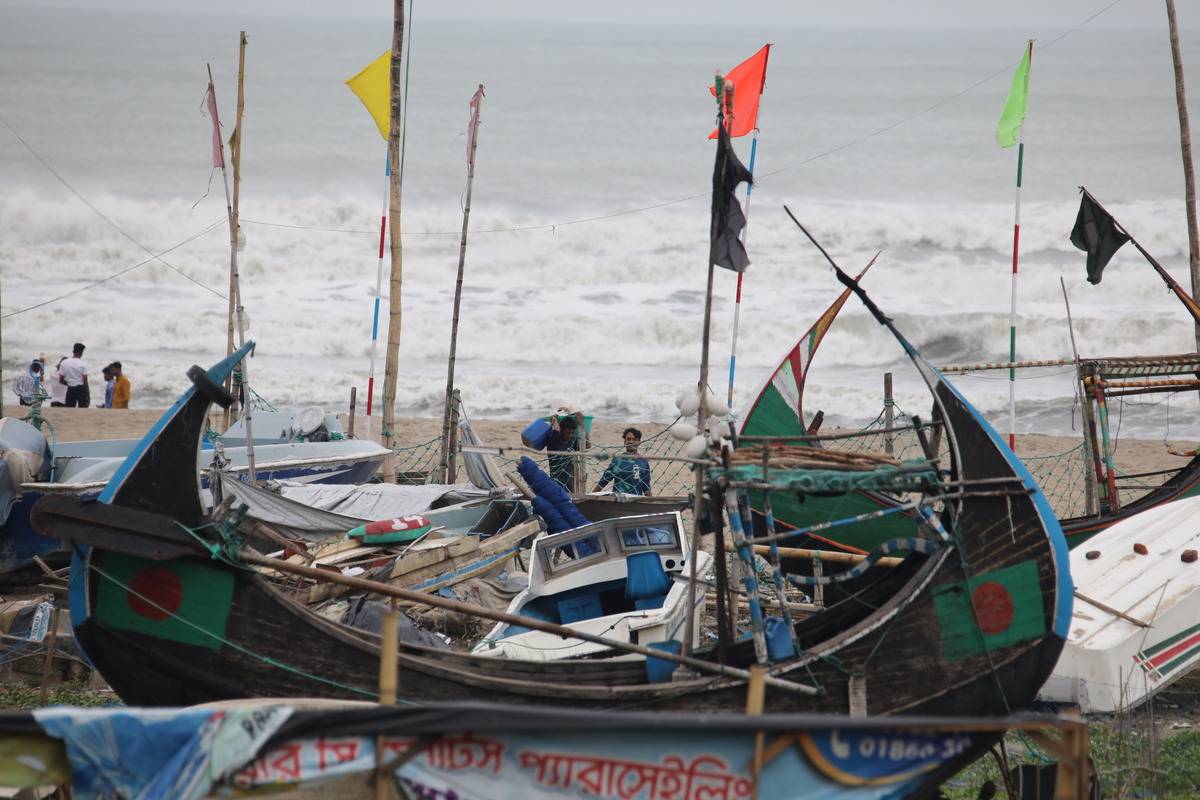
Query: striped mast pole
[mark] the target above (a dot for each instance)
(737, 299)
(383, 217)
(1012, 313)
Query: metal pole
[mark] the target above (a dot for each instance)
(472, 141)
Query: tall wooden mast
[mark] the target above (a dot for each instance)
(1185, 143)
(391, 363)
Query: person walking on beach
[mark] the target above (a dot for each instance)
(73, 373)
(628, 473)
(31, 385)
(121, 387)
(108, 388)
(58, 389)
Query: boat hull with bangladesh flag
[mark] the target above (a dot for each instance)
(168, 607)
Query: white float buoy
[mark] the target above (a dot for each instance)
(689, 403)
(716, 406)
(683, 431)
(696, 446)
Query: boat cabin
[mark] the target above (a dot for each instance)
(618, 578)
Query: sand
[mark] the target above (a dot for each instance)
(1056, 461)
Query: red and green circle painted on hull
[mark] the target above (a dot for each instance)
(991, 611)
(155, 593)
(993, 607)
(181, 600)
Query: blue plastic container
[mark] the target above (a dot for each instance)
(536, 434)
(779, 641)
(659, 670)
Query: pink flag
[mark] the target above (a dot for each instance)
(218, 152)
(475, 100)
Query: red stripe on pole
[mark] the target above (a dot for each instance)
(370, 393)
(382, 228)
(738, 297)
(1016, 241)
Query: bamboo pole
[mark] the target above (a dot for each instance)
(235, 149)
(391, 363)
(482, 612)
(240, 311)
(45, 692)
(472, 141)
(889, 410)
(1185, 146)
(724, 99)
(452, 457)
(1089, 483)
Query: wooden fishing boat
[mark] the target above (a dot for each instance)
(165, 606)
(1134, 630)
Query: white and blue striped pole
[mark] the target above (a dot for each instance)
(737, 300)
(387, 174)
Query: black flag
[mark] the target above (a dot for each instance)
(1099, 234)
(726, 249)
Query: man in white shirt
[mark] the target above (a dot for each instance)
(74, 373)
(58, 389)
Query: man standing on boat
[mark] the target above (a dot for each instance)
(74, 374)
(628, 473)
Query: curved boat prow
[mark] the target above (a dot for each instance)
(154, 477)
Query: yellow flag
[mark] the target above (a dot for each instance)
(374, 88)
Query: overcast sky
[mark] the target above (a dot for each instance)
(806, 13)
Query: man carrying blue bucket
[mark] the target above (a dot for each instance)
(567, 432)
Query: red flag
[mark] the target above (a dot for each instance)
(211, 99)
(748, 79)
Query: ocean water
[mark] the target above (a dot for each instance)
(876, 139)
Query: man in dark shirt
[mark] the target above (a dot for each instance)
(566, 433)
(628, 473)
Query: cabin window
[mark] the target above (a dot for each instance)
(576, 551)
(647, 536)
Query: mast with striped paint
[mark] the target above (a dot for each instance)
(1012, 122)
(387, 172)
(737, 299)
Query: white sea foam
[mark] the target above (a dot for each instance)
(606, 314)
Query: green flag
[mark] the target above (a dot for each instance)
(1009, 128)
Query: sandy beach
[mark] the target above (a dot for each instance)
(1056, 461)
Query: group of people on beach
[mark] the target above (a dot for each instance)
(69, 386)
